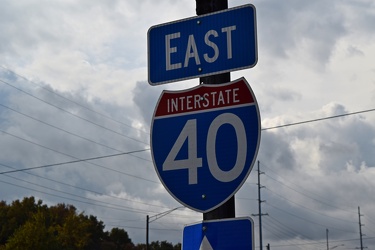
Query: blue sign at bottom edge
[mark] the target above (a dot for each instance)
(224, 234)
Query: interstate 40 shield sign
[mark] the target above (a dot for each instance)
(204, 142)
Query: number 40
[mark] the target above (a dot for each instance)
(192, 163)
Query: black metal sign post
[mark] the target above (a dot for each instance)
(227, 210)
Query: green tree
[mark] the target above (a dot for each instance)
(177, 246)
(139, 246)
(60, 212)
(73, 234)
(96, 231)
(15, 215)
(33, 226)
(3, 223)
(34, 234)
(121, 239)
(160, 245)
(29, 225)
(166, 245)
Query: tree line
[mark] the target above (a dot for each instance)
(30, 225)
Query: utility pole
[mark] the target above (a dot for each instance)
(147, 229)
(154, 218)
(260, 209)
(360, 228)
(227, 210)
(327, 238)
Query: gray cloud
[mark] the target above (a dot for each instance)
(94, 53)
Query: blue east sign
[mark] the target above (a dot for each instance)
(215, 43)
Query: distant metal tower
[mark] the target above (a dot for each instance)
(260, 209)
(360, 228)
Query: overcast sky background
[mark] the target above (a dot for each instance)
(73, 85)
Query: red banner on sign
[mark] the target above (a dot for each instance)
(204, 97)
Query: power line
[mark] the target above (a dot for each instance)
(75, 161)
(111, 205)
(333, 241)
(87, 190)
(113, 170)
(143, 228)
(304, 219)
(63, 197)
(318, 119)
(309, 208)
(75, 195)
(322, 202)
(281, 234)
(294, 184)
(70, 100)
(68, 132)
(300, 189)
(270, 228)
(51, 91)
(291, 230)
(249, 199)
(107, 205)
(72, 114)
(55, 127)
(263, 129)
(280, 126)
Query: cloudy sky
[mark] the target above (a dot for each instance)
(73, 86)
